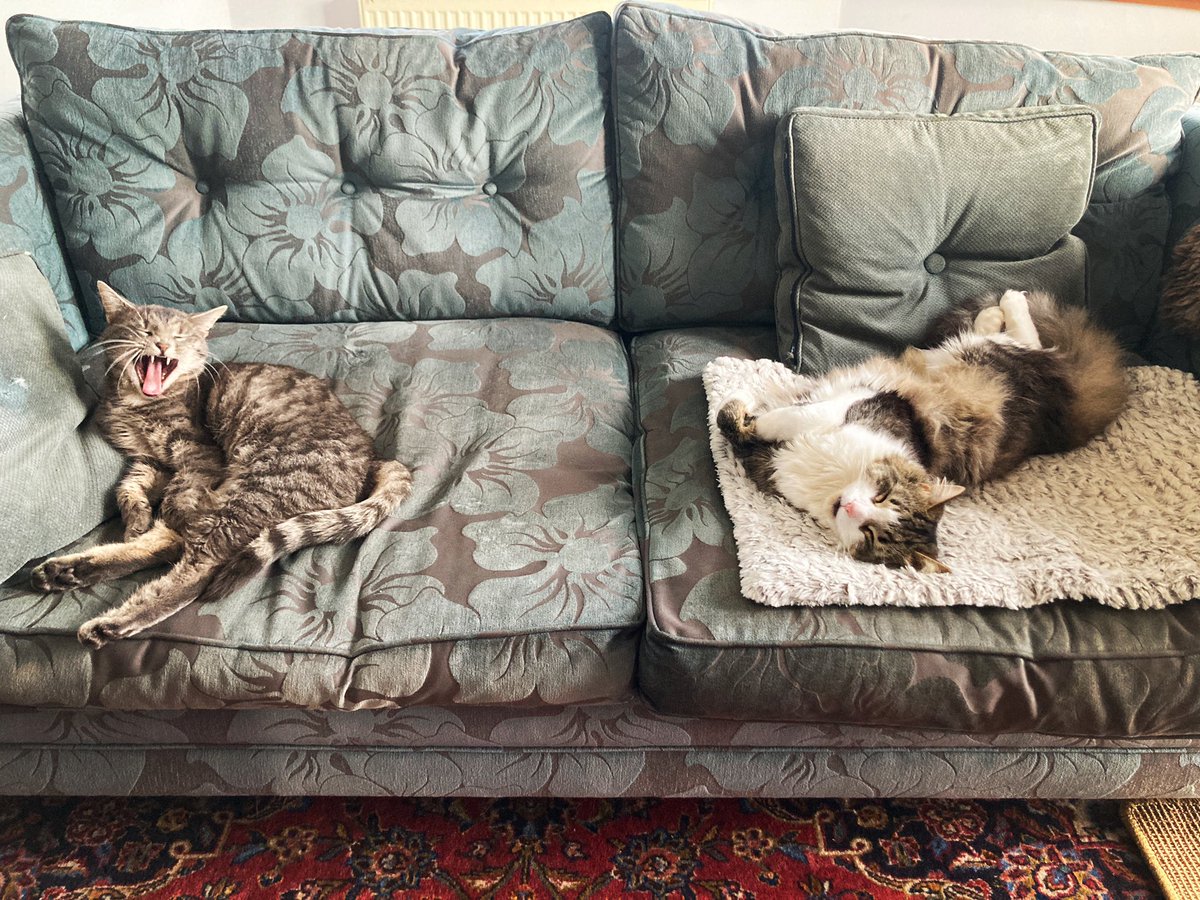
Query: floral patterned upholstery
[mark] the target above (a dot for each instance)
(511, 576)
(26, 222)
(380, 175)
(697, 99)
(610, 750)
(1063, 668)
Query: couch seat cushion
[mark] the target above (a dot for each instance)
(510, 576)
(1065, 668)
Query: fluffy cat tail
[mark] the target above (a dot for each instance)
(1180, 303)
(392, 484)
(1093, 363)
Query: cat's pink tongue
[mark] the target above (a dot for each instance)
(152, 381)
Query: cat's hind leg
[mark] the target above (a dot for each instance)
(1018, 323)
(108, 561)
(151, 603)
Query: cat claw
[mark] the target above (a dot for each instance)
(57, 575)
(100, 631)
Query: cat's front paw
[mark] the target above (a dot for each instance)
(61, 574)
(137, 525)
(102, 630)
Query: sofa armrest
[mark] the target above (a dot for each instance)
(26, 220)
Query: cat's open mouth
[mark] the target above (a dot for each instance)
(153, 371)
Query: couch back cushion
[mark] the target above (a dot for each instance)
(697, 99)
(329, 176)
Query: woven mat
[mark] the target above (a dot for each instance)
(1117, 521)
(1168, 832)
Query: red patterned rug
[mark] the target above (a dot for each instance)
(317, 848)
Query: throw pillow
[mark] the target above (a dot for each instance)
(887, 219)
(57, 473)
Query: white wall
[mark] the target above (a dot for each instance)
(1093, 26)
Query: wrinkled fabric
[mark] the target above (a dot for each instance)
(1071, 669)
(511, 575)
(697, 98)
(304, 176)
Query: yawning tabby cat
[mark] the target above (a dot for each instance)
(245, 462)
(874, 452)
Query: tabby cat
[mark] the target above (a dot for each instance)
(874, 452)
(244, 462)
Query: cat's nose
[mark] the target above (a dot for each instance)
(855, 509)
(161, 347)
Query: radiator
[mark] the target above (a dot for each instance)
(480, 14)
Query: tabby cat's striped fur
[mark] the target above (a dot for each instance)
(243, 463)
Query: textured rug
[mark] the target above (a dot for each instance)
(1117, 521)
(317, 848)
(1168, 831)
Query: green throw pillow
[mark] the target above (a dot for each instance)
(889, 219)
(57, 473)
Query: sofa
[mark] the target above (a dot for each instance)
(513, 253)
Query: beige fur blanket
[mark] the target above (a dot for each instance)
(1117, 521)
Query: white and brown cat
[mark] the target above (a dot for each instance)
(874, 452)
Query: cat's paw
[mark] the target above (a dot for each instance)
(102, 630)
(137, 523)
(1014, 305)
(989, 321)
(62, 573)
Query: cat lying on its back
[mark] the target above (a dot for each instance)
(245, 463)
(875, 452)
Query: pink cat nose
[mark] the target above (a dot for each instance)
(161, 346)
(855, 509)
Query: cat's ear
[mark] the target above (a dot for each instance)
(941, 492)
(114, 304)
(206, 320)
(923, 562)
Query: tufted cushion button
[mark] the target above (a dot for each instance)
(348, 188)
(489, 188)
(935, 264)
(201, 187)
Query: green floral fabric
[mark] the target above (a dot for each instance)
(696, 102)
(1063, 668)
(510, 576)
(621, 749)
(324, 176)
(26, 222)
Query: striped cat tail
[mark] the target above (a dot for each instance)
(392, 484)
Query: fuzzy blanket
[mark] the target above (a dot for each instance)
(1117, 521)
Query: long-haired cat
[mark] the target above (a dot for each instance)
(874, 452)
(244, 462)
(1180, 304)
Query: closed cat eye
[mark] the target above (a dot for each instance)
(882, 496)
(868, 532)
